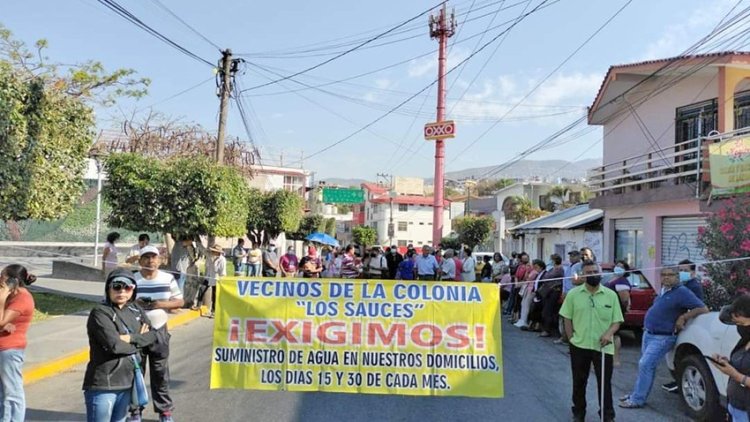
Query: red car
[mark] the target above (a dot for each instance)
(642, 296)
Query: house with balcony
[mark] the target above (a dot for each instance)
(659, 118)
(410, 215)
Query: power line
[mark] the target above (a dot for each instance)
(193, 30)
(393, 109)
(345, 52)
(125, 14)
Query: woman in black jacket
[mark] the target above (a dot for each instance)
(117, 329)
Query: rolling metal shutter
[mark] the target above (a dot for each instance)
(679, 239)
(629, 224)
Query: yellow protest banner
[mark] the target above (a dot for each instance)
(358, 336)
(730, 166)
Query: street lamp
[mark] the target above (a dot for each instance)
(97, 158)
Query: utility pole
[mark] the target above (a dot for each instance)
(441, 30)
(391, 193)
(225, 89)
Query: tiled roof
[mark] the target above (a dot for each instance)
(613, 69)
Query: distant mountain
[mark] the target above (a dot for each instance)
(530, 169)
(523, 170)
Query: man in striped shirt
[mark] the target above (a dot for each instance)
(157, 293)
(349, 268)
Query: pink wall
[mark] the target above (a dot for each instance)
(651, 215)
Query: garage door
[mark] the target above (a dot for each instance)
(679, 239)
(628, 224)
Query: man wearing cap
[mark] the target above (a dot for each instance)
(216, 267)
(157, 293)
(310, 265)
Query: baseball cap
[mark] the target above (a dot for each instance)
(149, 249)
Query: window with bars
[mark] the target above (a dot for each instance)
(403, 207)
(402, 225)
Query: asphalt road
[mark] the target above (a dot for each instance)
(537, 388)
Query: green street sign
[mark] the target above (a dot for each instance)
(343, 196)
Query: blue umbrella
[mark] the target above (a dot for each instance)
(323, 239)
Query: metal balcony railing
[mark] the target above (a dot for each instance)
(684, 163)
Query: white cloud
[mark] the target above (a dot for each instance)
(495, 98)
(677, 37)
(428, 65)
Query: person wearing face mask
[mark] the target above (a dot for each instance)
(288, 263)
(591, 316)
(688, 278)
(737, 365)
(621, 286)
(270, 261)
(671, 310)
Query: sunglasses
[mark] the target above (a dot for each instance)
(122, 286)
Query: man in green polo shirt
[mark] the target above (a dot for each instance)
(591, 315)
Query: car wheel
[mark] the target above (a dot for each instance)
(698, 388)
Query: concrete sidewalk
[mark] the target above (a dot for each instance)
(60, 343)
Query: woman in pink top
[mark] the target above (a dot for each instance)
(16, 311)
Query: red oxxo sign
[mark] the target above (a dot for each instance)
(440, 130)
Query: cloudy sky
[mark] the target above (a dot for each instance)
(496, 97)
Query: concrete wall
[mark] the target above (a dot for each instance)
(572, 239)
(417, 217)
(74, 271)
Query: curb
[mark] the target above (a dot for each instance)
(55, 366)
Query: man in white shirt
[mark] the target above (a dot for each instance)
(157, 293)
(469, 266)
(378, 265)
(448, 266)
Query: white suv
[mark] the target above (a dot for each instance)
(703, 387)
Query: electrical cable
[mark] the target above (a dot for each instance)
(125, 14)
(193, 30)
(344, 53)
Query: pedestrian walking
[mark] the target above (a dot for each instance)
(158, 294)
(737, 365)
(16, 312)
(118, 330)
(666, 317)
(109, 253)
(591, 315)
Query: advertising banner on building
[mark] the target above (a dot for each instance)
(730, 166)
(358, 336)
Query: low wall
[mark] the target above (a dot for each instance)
(74, 271)
(46, 249)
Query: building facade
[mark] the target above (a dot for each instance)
(659, 117)
(411, 216)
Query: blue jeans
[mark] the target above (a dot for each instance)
(107, 406)
(13, 406)
(252, 270)
(181, 282)
(653, 350)
(738, 415)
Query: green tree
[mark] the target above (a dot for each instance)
(489, 187)
(559, 198)
(524, 210)
(47, 127)
(473, 231)
(450, 243)
(364, 235)
(186, 196)
(330, 226)
(273, 213)
(310, 223)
